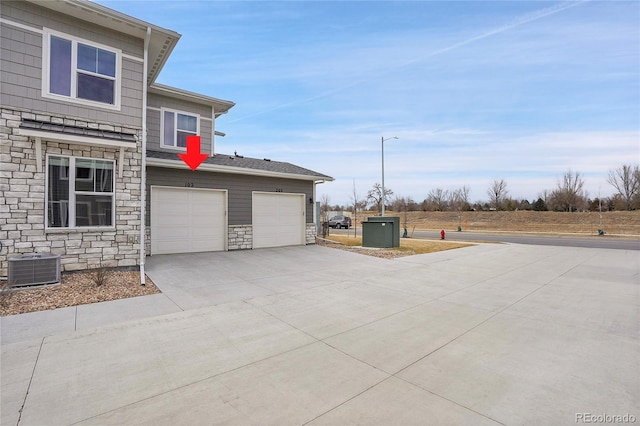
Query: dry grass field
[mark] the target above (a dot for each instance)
(408, 247)
(613, 223)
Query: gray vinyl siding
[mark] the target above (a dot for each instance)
(153, 128)
(156, 102)
(239, 187)
(21, 65)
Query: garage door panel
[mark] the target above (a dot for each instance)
(174, 233)
(205, 233)
(202, 223)
(172, 198)
(174, 208)
(278, 219)
(199, 246)
(185, 220)
(172, 220)
(167, 247)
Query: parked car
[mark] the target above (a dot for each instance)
(340, 222)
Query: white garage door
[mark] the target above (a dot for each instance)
(278, 219)
(186, 220)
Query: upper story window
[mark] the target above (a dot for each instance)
(176, 126)
(81, 71)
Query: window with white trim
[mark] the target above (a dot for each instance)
(81, 71)
(80, 192)
(176, 126)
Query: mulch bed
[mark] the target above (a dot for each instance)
(76, 288)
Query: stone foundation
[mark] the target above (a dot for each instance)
(240, 237)
(311, 233)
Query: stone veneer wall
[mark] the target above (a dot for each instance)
(240, 237)
(23, 192)
(311, 233)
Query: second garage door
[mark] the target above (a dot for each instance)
(186, 220)
(278, 219)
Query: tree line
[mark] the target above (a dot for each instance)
(568, 196)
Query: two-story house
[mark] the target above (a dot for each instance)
(89, 141)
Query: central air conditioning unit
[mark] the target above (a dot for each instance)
(34, 269)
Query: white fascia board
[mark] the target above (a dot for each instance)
(174, 92)
(90, 11)
(76, 139)
(172, 164)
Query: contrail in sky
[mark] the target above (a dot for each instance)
(525, 19)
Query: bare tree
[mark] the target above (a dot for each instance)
(626, 180)
(325, 207)
(403, 204)
(375, 197)
(497, 193)
(459, 198)
(357, 204)
(568, 196)
(459, 201)
(438, 199)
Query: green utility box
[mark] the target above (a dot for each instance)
(381, 232)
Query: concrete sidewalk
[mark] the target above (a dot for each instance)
(489, 334)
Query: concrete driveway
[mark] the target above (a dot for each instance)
(491, 334)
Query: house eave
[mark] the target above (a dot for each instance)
(178, 164)
(162, 41)
(220, 105)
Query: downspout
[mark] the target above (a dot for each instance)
(213, 131)
(143, 165)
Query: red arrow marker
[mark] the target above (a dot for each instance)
(193, 158)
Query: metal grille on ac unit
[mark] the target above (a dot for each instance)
(33, 269)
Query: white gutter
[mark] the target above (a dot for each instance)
(143, 166)
(182, 94)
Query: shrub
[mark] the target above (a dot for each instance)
(100, 275)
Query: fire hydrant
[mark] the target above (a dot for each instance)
(442, 234)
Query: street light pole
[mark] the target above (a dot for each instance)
(383, 194)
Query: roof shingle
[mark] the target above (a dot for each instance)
(246, 163)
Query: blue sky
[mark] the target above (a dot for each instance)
(475, 91)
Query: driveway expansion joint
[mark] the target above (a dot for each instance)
(33, 372)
